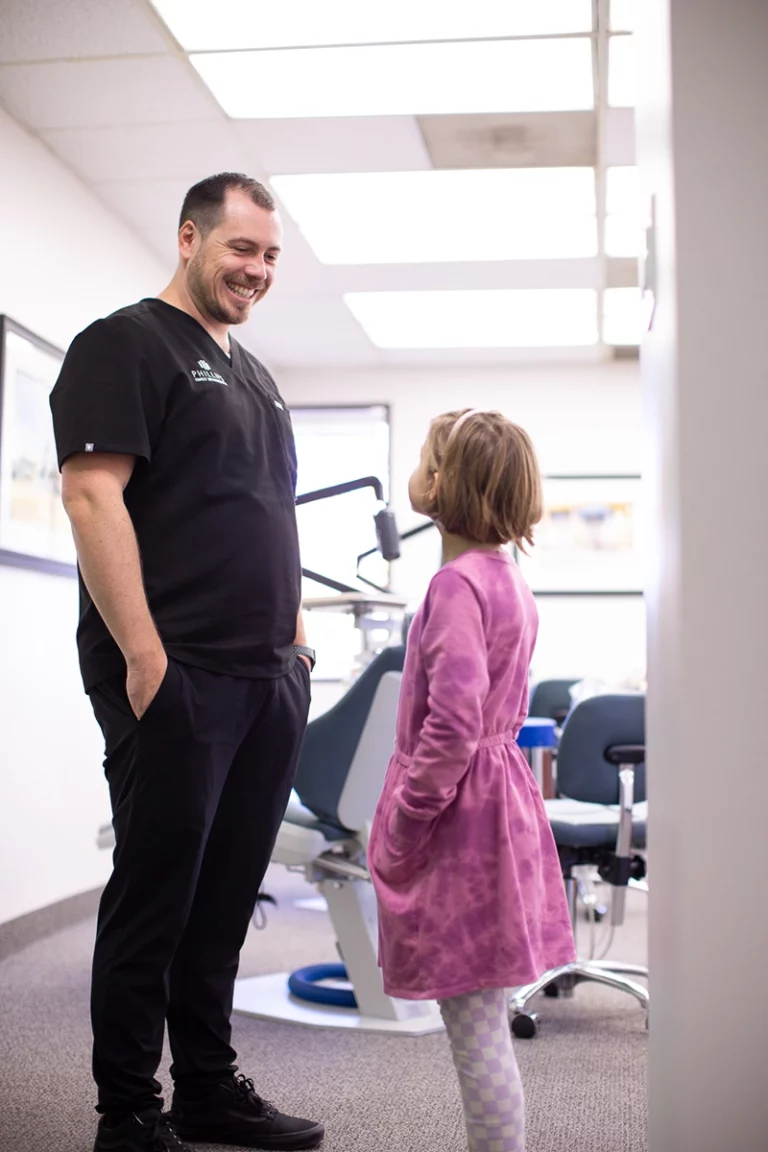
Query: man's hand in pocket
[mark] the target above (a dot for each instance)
(144, 679)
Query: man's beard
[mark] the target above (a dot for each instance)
(208, 304)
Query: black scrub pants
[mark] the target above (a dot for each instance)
(199, 787)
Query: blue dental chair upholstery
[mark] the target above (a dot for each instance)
(599, 820)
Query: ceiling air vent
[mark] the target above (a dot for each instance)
(626, 352)
(519, 140)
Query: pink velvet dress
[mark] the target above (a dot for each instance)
(468, 883)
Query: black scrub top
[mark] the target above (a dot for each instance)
(212, 494)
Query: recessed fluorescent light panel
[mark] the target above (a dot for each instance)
(622, 74)
(622, 316)
(622, 15)
(495, 318)
(622, 192)
(402, 79)
(235, 25)
(623, 224)
(439, 216)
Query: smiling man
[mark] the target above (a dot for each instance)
(179, 474)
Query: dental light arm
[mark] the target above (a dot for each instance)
(386, 529)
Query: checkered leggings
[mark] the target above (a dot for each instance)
(492, 1092)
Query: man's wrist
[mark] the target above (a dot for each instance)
(304, 652)
(145, 656)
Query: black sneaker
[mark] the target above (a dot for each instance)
(234, 1114)
(149, 1131)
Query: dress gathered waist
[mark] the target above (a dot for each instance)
(496, 738)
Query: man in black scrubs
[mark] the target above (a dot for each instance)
(179, 474)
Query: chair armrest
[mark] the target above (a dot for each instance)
(626, 756)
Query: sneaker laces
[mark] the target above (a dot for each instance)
(161, 1136)
(246, 1089)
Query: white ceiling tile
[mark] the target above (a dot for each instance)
(344, 144)
(298, 268)
(151, 206)
(95, 93)
(104, 84)
(52, 30)
(283, 352)
(297, 329)
(164, 245)
(472, 357)
(182, 151)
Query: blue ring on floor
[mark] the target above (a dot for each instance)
(303, 984)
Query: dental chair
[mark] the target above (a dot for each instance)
(599, 820)
(339, 779)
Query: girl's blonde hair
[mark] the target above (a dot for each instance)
(484, 481)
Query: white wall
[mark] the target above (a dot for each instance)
(703, 153)
(582, 420)
(64, 260)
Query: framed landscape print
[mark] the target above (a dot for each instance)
(34, 529)
(589, 540)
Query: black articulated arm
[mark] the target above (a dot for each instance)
(328, 581)
(340, 489)
(386, 529)
(389, 541)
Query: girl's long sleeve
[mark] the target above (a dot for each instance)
(454, 653)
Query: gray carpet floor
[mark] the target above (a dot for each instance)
(584, 1073)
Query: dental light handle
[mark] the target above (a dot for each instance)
(387, 534)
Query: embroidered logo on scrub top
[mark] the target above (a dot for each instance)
(206, 373)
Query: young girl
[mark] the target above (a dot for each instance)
(470, 893)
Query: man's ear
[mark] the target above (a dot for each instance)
(188, 234)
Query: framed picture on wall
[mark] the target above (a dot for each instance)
(34, 529)
(589, 540)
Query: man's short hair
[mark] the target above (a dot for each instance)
(204, 202)
(484, 479)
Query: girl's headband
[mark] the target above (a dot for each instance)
(464, 416)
